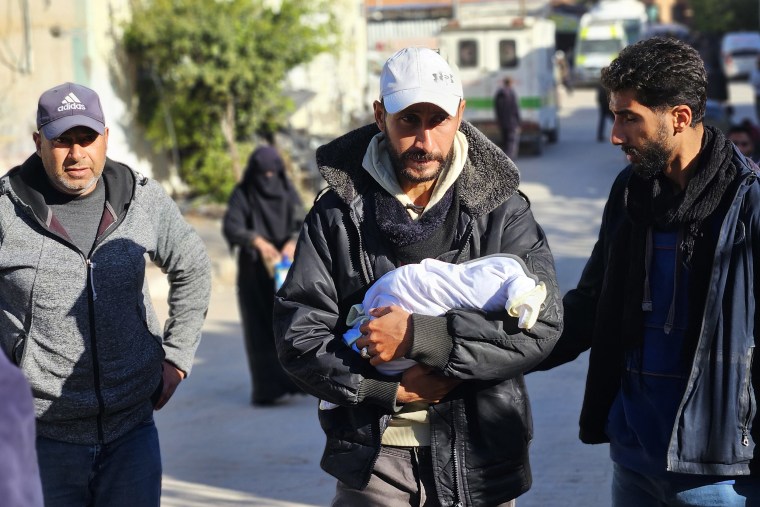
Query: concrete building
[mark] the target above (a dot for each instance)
(331, 92)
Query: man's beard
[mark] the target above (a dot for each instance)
(399, 160)
(652, 157)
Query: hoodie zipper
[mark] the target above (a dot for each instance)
(91, 297)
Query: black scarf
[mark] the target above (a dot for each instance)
(413, 240)
(654, 203)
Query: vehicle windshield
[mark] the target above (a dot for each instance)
(608, 46)
(744, 52)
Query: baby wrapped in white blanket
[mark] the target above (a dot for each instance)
(432, 287)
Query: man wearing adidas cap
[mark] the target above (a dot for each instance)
(417, 183)
(77, 317)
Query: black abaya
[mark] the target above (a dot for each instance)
(263, 204)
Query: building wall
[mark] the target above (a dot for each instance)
(331, 91)
(33, 60)
(73, 40)
(70, 40)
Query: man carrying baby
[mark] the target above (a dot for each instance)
(418, 183)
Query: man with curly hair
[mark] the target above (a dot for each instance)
(666, 303)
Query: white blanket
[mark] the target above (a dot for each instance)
(432, 287)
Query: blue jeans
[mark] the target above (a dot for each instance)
(123, 473)
(632, 489)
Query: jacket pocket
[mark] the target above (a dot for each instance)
(150, 321)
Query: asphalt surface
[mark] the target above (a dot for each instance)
(218, 450)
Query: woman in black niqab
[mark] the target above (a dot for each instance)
(263, 219)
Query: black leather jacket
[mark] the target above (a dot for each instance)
(481, 431)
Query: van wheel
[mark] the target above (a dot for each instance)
(532, 146)
(537, 146)
(553, 135)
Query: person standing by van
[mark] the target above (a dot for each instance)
(602, 102)
(508, 117)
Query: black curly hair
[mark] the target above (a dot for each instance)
(662, 73)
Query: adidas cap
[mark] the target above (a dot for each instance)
(415, 75)
(66, 106)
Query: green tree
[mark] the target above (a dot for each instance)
(709, 16)
(209, 75)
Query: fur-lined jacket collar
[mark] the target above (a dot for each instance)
(488, 178)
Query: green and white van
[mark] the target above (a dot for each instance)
(487, 49)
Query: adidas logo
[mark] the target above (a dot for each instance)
(71, 101)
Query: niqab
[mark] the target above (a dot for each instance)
(270, 194)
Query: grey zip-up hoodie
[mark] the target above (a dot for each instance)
(81, 325)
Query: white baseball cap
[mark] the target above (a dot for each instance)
(415, 75)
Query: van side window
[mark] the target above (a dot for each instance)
(468, 53)
(507, 54)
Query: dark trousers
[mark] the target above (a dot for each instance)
(255, 292)
(402, 476)
(604, 113)
(510, 141)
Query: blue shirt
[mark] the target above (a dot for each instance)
(641, 419)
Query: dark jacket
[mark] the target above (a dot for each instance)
(481, 430)
(506, 108)
(714, 431)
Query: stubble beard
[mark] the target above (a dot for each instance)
(653, 156)
(78, 187)
(401, 161)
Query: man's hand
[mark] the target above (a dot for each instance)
(422, 383)
(172, 377)
(388, 336)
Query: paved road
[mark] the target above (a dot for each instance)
(220, 451)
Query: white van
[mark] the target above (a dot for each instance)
(597, 44)
(739, 52)
(486, 50)
(603, 32)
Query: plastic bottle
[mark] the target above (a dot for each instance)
(281, 271)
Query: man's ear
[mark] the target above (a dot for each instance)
(380, 113)
(37, 141)
(460, 112)
(681, 117)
